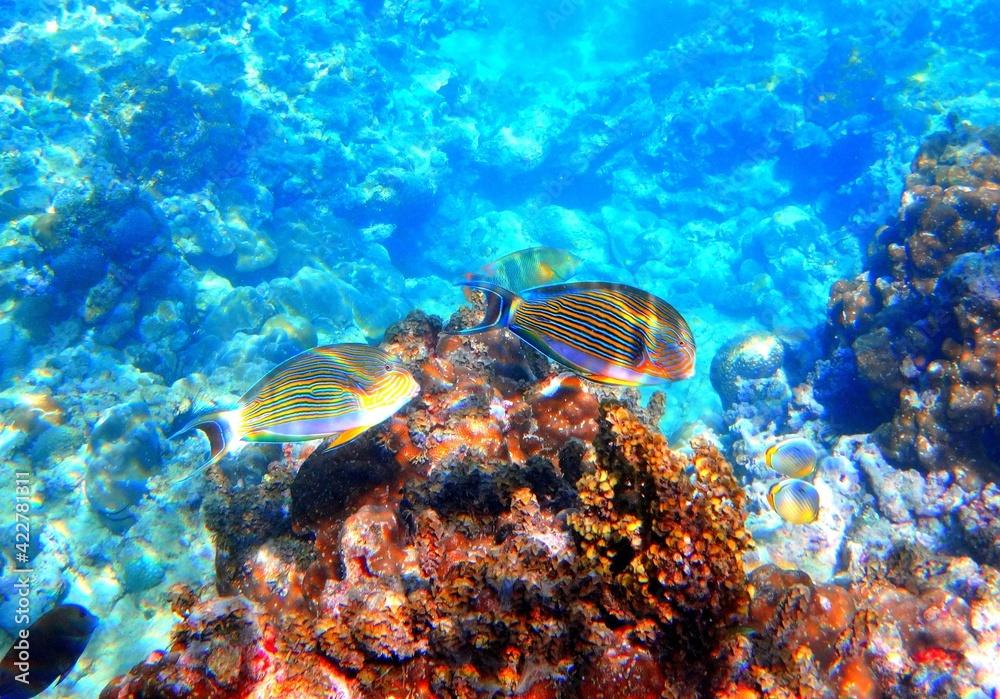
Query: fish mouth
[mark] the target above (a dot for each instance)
(687, 366)
(676, 373)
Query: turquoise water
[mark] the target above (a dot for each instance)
(191, 194)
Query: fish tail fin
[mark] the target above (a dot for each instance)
(498, 304)
(217, 426)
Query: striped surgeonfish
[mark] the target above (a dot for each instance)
(330, 391)
(610, 333)
(530, 267)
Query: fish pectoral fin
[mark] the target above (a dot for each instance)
(641, 356)
(342, 438)
(555, 383)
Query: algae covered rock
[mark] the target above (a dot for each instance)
(138, 566)
(124, 450)
(748, 374)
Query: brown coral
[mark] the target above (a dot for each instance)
(668, 546)
(513, 609)
(923, 322)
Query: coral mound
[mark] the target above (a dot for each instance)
(667, 545)
(493, 539)
(744, 368)
(922, 324)
(497, 540)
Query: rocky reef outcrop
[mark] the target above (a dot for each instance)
(920, 327)
(901, 403)
(497, 539)
(494, 538)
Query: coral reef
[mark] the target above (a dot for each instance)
(922, 325)
(191, 193)
(901, 405)
(615, 568)
(448, 550)
(941, 511)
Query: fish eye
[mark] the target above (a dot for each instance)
(388, 366)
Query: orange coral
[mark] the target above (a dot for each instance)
(867, 640)
(481, 397)
(570, 413)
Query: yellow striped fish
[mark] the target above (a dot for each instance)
(330, 391)
(530, 267)
(610, 333)
(795, 501)
(794, 457)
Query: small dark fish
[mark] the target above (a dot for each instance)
(797, 502)
(609, 333)
(330, 391)
(46, 651)
(794, 457)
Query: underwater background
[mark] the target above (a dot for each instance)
(192, 193)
